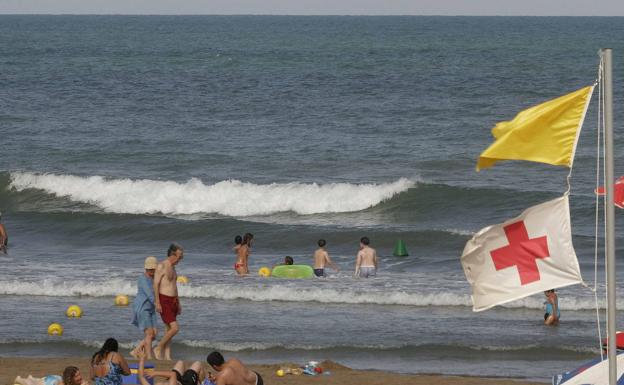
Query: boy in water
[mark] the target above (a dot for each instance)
(552, 314)
(321, 258)
(366, 262)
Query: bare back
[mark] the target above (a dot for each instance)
(242, 259)
(235, 373)
(321, 258)
(367, 257)
(166, 278)
(3, 235)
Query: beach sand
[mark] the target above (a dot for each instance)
(10, 367)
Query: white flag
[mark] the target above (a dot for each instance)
(523, 256)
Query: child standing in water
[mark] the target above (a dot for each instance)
(552, 314)
(321, 258)
(242, 255)
(238, 240)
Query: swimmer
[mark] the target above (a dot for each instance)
(242, 255)
(321, 258)
(232, 371)
(366, 263)
(288, 261)
(552, 314)
(4, 237)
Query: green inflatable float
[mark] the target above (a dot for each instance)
(293, 271)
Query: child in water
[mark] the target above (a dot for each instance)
(552, 314)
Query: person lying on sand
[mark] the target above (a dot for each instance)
(193, 375)
(71, 376)
(231, 372)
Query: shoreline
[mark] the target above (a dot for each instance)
(340, 375)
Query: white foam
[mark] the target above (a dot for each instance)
(229, 197)
(263, 346)
(280, 292)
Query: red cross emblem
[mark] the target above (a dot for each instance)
(521, 252)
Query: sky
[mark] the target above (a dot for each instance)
(319, 7)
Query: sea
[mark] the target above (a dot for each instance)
(122, 134)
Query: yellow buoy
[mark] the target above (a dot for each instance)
(182, 279)
(280, 373)
(121, 300)
(74, 311)
(264, 272)
(55, 329)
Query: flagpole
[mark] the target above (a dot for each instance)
(610, 215)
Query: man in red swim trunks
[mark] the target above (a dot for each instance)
(166, 299)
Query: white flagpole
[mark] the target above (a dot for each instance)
(610, 215)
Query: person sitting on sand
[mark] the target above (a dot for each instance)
(144, 309)
(321, 258)
(71, 376)
(242, 255)
(366, 262)
(4, 237)
(552, 314)
(108, 366)
(232, 371)
(193, 375)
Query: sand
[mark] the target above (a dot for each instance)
(10, 367)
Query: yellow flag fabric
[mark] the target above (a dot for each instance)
(544, 133)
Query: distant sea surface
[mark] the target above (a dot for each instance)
(122, 134)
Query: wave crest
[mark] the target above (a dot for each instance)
(229, 197)
(279, 292)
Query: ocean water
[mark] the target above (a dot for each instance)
(120, 135)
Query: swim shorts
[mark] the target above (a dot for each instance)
(368, 271)
(170, 307)
(319, 272)
(190, 377)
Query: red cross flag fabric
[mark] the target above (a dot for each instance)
(522, 256)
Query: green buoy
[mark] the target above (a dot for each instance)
(400, 250)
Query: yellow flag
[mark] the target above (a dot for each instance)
(544, 133)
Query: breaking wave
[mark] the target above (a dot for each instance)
(228, 197)
(283, 293)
